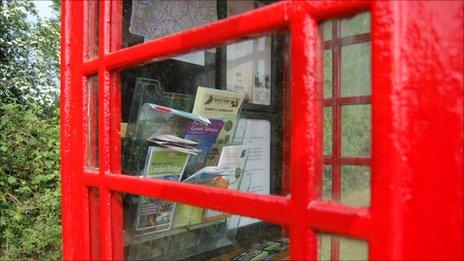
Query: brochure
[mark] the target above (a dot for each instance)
(155, 215)
(220, 104)
(233, 159)
(205, 135)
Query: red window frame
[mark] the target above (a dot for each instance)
(408, 127)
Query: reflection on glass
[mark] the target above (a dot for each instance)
(356, 69)
(327, 183)
(249, 69)
(332, 246)
(358, 24)
(92, 28)
(92, 123)
(328, 73)
(164, 230)
(328, 131)
(356, 130)
(356, 183)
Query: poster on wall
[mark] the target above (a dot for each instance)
(257, 139)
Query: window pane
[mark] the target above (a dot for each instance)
(92, 123)
(356, 70)
(164, 230)
(327, 183)
(328, 131)
(356, 183)
(94, 218)
(349, 249)
(92, 28)
(356, 130)
(154, 19)
(327, 30)
(328, 73)
(245, 107)
(358, 24)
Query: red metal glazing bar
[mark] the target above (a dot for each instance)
(274, 209)
(336, 111)
(348, 40)
(418, 131)
(115, 131)
(306, 130)
(75, 195)
(90, 67)
(348, 161)
(336, 128)
(104, 131)
(348, 100)
(339, 219)
(324, 10)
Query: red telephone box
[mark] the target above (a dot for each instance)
(416, 162)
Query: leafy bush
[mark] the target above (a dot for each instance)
(30, 224)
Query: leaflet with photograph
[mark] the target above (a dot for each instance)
(155, 215)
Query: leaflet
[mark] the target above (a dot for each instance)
(220, 104)
(155, 215)
(233, 159)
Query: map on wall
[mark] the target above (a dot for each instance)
(157, 18)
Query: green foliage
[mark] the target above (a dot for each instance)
(28, 54)
(29, 183)
(29, 133)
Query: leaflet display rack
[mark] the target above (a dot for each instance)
(215, 230)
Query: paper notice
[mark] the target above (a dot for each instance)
(257, 138)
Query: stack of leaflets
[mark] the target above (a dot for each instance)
(165, 161)
(220, 104)
(170, 157)
(174, 143)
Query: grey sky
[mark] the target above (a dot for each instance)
(43, 7)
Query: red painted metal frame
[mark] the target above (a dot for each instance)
(417, 139)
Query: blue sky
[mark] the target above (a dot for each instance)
(43, 7)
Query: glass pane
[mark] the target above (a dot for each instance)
(92, 28)
(230, 115)
(328, 73)
(94, 218)
(327, 30)
(356, 70)
(356, 183)
(358, 24)
(164, 230)
(92, 123)
(333, 246)
(327, 131)
(147, 20)
(356, 130)
(327, 183)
